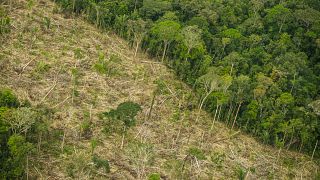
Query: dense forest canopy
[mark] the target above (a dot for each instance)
(254, 64)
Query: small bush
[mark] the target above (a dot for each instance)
(218, 159)
(8, 99)
(93, 144)
(101, 163)
(161, 87)
(21, 120)
(47, 22)
(241, 173)
(176, 116)
(197, 153)
(154, 176)
(78, 53)
(42, 67)
(122, 117)
(106, 67)
(19, 149)
(125, 112)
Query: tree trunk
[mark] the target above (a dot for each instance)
(73, 5)
(188, 54)
(235, 118)
(279, 152)
(231, 69)
(219, 112)
(214, 118)
(301, 145)
(201, 104)
(137, 47)
(122, 140)
(246, 126)
(164, 51)
(97, 20)
(290, 142)
(135, 5)
(204, 99)
(229, 113)
(151, 107)
(283, 20)
(314, 150)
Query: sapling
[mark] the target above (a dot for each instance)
(93, 144)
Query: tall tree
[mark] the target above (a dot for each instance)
(278, 15)
(167, 32)
(138, 29)
(191, 38)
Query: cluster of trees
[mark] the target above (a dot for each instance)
(254, 64)
(22, 132)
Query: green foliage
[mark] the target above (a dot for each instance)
(47, 22)
(101, 163)
(4, 127)
(19, 149)
(5, 22)
(93, 144)
(317, 176)
(42, 67)
(75, 74)
(154, 176)
(125, 112)
(122, 117)
(78, 53)
(218, 159)
(260, 58)
(161, 87)
(176, 116)
(285, 99)
(138, 29)
(197, 153)
(241, 173)
(20, 128)
(21, 120)
(106, 67)
(192, 37)
(166, 31)
(30, 4)
(153, 9)
(8, 99)
(231, 33)
(85, 128)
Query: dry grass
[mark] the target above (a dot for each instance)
(37, 63)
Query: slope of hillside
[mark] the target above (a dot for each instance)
(52, 60)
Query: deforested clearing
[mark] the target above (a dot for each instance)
(76, 85)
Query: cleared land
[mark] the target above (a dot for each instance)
(50, 59)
